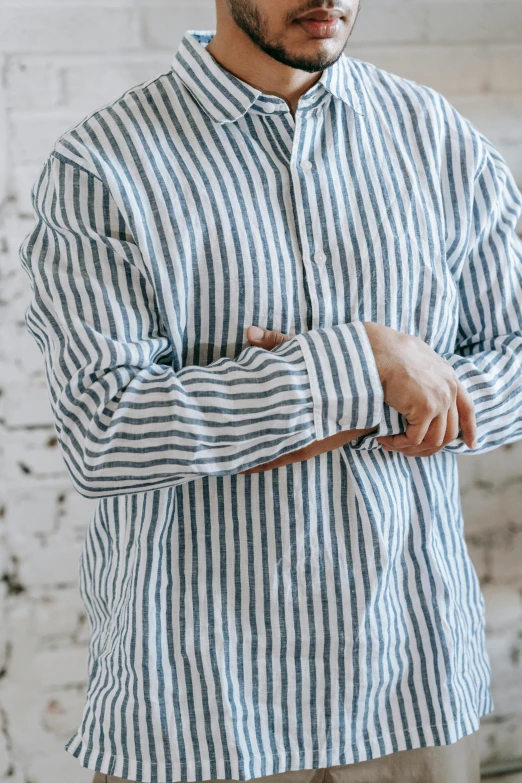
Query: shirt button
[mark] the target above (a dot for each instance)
(306, 165)
(269, 106)
(319, 257)
(344, 420)
(353, 442)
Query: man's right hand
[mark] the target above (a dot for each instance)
(423, 386)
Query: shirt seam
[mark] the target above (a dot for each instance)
(62, 159)
(418, 726)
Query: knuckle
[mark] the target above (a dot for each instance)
(429, 409)
(445, 398)
(453, 385)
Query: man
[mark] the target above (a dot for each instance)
(275, 574)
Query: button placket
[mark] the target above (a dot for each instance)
(300, 185)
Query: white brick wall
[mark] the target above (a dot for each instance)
(60, 60)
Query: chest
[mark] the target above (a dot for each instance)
(294, 224)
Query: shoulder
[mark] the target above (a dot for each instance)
(108, 137)
(414, 110)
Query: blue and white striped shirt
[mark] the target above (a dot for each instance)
(325, 612)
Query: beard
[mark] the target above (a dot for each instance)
(247, 16)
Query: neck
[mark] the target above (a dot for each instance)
(234, 50)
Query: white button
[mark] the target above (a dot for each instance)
(344, 420)
(306, 165)
(269, 106)
(353, 442)
(319, 257)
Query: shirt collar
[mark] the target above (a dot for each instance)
(225, 97)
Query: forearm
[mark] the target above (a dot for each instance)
(313, 450)
(493, 378)
(130, 429)
(127, 423)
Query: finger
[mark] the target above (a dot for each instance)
(266, 338)
(413, 436)
(452, 431)
(435, 433)
(467, 420)
(414, 451)
(432, 442)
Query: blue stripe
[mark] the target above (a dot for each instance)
(306, 616)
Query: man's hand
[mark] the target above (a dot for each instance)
(268, 339)
(423, 386)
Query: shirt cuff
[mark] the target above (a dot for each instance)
(344, 380)
(392, 423)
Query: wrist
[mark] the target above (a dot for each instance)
(381, 354)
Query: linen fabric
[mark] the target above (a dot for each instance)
(325, 612)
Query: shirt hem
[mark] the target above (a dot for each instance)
(112, 762)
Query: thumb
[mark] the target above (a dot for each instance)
(266, 338)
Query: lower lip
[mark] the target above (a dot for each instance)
(318, 29)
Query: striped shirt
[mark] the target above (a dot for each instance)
(321, 613)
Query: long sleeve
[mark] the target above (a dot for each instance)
(482, 205)
(126, 421)
(486, 260)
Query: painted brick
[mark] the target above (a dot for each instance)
(451, 71)
(478, 555)
(512, 153)
(58, 766)
(60, 667)
(503, 468)
(23, 177)
(389, 23)
(484, 21)
(503, 607)
(89, 86)
(61, 60)
(58, 613)
(163, 26)
(505, 68)
(67, 29)
(54, 564)
(498, 117)
(33, 135)
(28, 405)
(31, 511)
(502, 505)
(507, 739)
(3, 140)
(62, 713)
(506, 556)
(33, 455)
(75, 511)
(32, 83)
(479, 505)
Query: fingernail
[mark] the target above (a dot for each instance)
(256, 333)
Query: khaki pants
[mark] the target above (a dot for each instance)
(456, 763)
